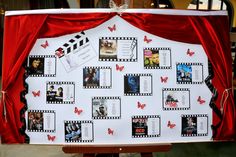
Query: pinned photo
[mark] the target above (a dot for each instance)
(146, 126)
(157, 58)
(60, 92)
(194, 125)
(176, 98)
(97, 77)
(41, 66)
(189, 73)
(78, 131)
(138, 84)
(41, 121)
(118, 49)
(106, 108)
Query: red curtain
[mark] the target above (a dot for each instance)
(22, 31)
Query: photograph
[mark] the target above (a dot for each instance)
(189, 126)
(132, 84)
(108, 49)
(99, 108)
(54, 93)
(35, 121)
(36, 66)
(73, 131)
(151, 58)
(91, 77)
(139, 126)
(184, 73)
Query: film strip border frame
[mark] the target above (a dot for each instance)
(99, 87)
(41, 56)
(133, 45)
(60, 83)
(198, 64)
(175, 89)
(80, 122)
(107, 98)
(72, 45)
(148, 116)
(158, 48)
(195, 115)
(43, 111)
(140, 94)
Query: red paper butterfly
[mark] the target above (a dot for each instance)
(190, 53)
(59, 52)
(51, 138)
(200, 100)
(146, 39)
(141, 105)
(78, 111)
(113, 28)
(110, 131)
(45, 45)
(164, 79)
(171, 126)
(119, 68)
(36, 93)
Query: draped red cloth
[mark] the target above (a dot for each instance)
(21, 32)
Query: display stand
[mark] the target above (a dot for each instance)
(91, 150)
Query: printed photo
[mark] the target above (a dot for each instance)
(132, 84)
(151, 58)
(35, 121)
(91, 77)
(73, 131)
(99, 108)
(189, 126)
(36, 66)
(54, 94)
(139, 126)
(108, 48)
(184, 73)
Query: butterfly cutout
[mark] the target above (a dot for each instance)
(51, 138)
(146, 39)
(171, 126)
(164, 79)
(78, 111)
(119, 68)
(45, 45)
(113, 28)
(141, 105)
(200, 100)
(36, 93)
(59, 52)
(190, 53)
(110, 131)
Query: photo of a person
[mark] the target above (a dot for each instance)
(59, 95)
(151, 58)
(189, 125)
(36, 66)
(184, 73)
(139, 126)
(132, 84)
(100, 108)
(51, 93)
(91, 77)
(35, 121)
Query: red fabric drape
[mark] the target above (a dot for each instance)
(22, 31)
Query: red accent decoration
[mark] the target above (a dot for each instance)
(51, 138)
(36, 93)
(146, 39)
(45, 45)
(200, 100)
(110, 131)
(119, 68)
(113, 28)
(164, 79)
(190, 53)
(59, 52)
(141, 105)
(171, 126)
(78, 111)
(210, 31)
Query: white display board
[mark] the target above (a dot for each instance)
(116, 84)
